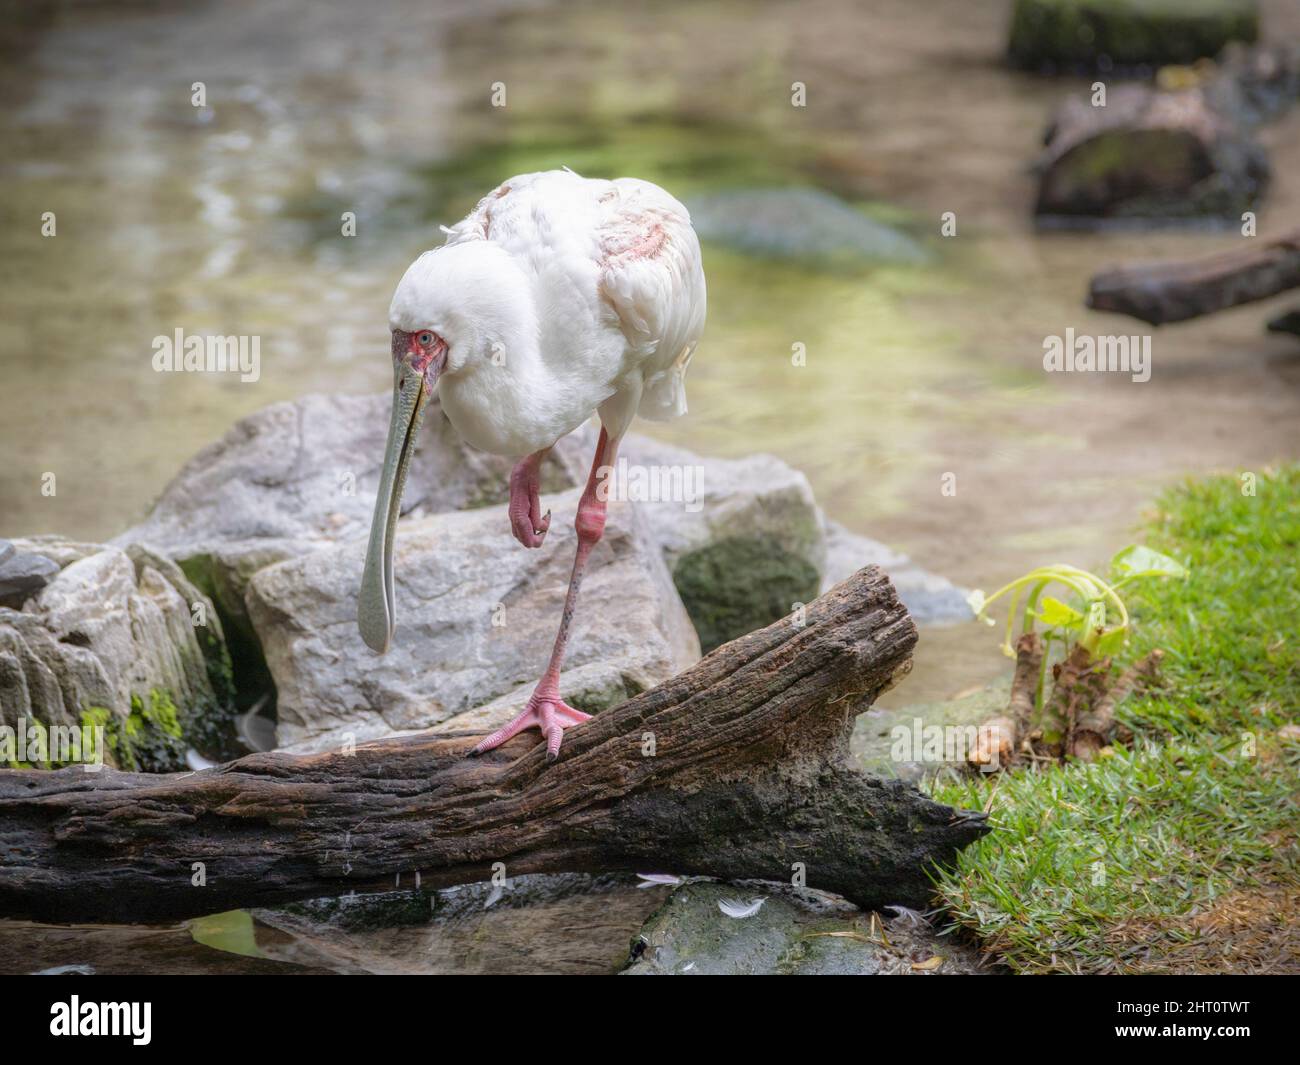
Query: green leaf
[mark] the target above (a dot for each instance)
(1137, 560)
(1054, 612)
(1111, 641)
(230, 931)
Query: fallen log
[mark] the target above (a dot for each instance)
(737, 768)
(1173, 292)
(1146, 155)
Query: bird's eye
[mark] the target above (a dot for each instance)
(425, 339)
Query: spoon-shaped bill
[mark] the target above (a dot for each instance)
(376, 615)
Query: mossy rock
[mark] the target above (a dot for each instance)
(790, 933)
(150, 739)
(241, 649)
(742, 583)
(1099, 34)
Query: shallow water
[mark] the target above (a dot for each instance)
(226, 220)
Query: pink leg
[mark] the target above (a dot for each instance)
(546, 709)
(527, 521)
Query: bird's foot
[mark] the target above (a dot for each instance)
(527, 521)
(547, 712)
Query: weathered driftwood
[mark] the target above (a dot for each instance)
(1092, 729)
(736, 768)
(998, 739)
(1075, 681)
(1172, 292)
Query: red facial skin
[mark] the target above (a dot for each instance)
(420, 350)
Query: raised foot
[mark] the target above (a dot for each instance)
(550, 714)
(527, 522)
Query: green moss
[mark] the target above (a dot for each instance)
(1086, 34)
(687, 157)
(740, 584)
(150, 739)
(154, 733)
(101, 717)
(233, 659)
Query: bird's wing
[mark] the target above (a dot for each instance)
(634, 240)
(652, 274)
(547, 213)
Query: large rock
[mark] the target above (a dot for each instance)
(929, 598)
(791, 933)
(22, 574)
(1148, 154)
(476, 616)
(300, 476)
(244, 517)
(748, 541)
(120, 639)
(743, 545)
(1103, 34)
(806, 225)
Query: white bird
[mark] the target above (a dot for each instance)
(557, 297)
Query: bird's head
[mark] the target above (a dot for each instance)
(456, 308)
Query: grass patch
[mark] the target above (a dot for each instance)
(1179, 852)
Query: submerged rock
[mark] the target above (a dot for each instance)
(1286, 323)
(1102, 34)
(57, 950)
(801, 224)
(476, 617)
(1151, 155)
(543, 924)
(119, 639)
(929, 598)
(778, 931)
(22, 574)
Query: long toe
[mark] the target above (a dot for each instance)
(525, 720)
(575, 715)
(551, 716)
(524, 530)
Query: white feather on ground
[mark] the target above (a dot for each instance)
(740, 910)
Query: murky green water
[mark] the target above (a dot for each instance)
(226, 220)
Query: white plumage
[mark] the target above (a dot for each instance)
(559, 296)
